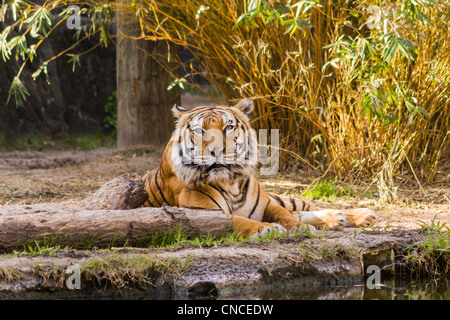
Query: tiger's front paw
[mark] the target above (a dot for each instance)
(301, 227)
(266, 228)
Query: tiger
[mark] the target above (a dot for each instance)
(210, 163)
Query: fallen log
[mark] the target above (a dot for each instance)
(108, 217)
(121, 193)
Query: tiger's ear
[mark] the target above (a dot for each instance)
(246, 106)
(178, 111)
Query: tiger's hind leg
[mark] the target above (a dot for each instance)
(361, 217)
(327, 219)
(330, 219)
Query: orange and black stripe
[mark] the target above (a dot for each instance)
(152, 183)
(291, 204)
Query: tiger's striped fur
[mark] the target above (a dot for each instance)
(191, 176)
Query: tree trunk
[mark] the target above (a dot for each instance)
(144, 105)
(102, 220)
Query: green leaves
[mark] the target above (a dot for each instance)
(40, 21)
(32, 23)
(42, 68)
(18, 91)
(15, 7)
(75, 60)
(412, 10)
(396, 44)
(294, 16)
(101, 17)
(35, 22)
(5, 47)
(371, 60)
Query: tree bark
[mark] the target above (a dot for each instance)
(144, 105)
(121, 193)
(102, 219)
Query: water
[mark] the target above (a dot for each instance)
(394, 289)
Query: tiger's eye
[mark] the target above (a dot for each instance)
(229, 128)
(199, 131)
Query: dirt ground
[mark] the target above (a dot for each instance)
(28, 177)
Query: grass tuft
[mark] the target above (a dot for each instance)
(431, 256)
(327, 189)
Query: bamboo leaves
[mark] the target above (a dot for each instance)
(373, 58)
(40, 21)
(396, 44)
(29, 24)
(18, 91)
(294, 16)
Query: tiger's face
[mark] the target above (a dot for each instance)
(213, 144)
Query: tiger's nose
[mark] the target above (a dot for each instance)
(216, 151)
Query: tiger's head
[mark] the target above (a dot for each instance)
(214, 143)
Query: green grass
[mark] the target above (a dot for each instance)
(327, 189)
(35, 249)
(175, 238)
(171, 239)
(431, 256)
(438, 236)
(111, 269)
(325, 251)
(119, 270)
